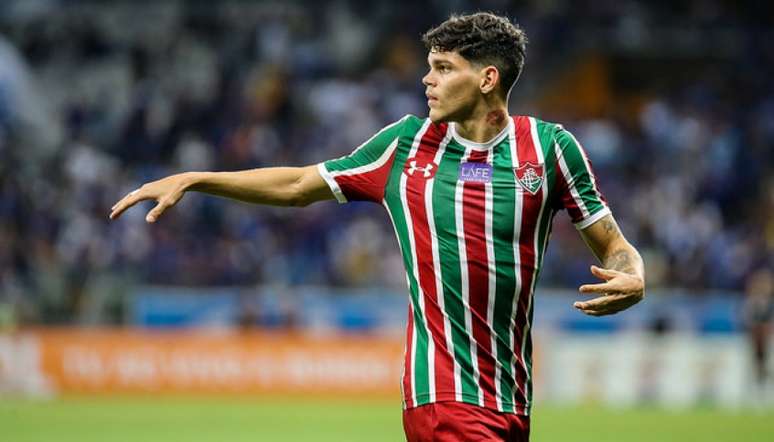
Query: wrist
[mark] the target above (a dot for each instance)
(194, 180)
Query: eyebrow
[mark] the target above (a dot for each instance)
(437, 62)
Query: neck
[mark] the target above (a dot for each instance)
(484, 123)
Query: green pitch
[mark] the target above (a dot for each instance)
(148, 419)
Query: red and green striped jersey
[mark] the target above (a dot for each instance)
(473, 221)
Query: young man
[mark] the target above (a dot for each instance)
(471, 193)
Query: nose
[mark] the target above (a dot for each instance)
(427, 80)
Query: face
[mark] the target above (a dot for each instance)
(452, 86)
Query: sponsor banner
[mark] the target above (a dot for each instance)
(199, 362)
(674, 370)
(620, 369)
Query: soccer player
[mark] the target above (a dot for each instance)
(471, 193)
(759, 319)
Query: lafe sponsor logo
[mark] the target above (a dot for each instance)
(476, 172)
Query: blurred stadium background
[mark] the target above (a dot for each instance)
(236, 322)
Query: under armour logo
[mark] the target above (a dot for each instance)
(427, 170)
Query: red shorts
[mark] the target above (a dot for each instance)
(458, 422)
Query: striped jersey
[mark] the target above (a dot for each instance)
(473, 221)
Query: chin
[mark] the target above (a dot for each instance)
(436, 116)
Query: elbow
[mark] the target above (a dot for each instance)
(299, 202)
(304, 190)
(297, 197)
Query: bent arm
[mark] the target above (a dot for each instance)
(623, 273)
(277, 186)
(613, 251)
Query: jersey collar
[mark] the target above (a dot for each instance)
(481, 146)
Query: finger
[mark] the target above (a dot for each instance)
(597, 313)
(607, 304)
(126, 202)
(156, 212)
(125, 197)
(590, 312)
(129, 196)
(606, 274)
(601, 302)
(604, 287)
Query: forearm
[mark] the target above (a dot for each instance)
(277, 186)
(622, 270)
(623, 257)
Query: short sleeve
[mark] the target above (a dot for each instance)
(578, 189)
(362, 175)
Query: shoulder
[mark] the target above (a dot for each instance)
(407, 124)
(554, 131)
(551, 127)
(540, 125)
(411, 121)
(411, 118)
(397, 128)
(413, 126)
(550, 133)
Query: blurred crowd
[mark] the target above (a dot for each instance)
(675, 107)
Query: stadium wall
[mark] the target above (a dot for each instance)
(50, 361)
(676, 370)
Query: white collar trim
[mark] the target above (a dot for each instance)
(481, 146)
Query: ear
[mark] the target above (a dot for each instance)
(490, 76)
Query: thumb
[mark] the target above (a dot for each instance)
(154, 214)
(164, 203)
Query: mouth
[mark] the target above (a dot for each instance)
(431, 99)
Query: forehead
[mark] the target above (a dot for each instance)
(435, 56)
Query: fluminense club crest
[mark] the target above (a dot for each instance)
(530, 176)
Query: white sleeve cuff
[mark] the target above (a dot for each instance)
(331, 183)
(582, 224)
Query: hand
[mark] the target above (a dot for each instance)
(619, 292)
(166, 191)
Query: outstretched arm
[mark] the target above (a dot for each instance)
(623, 272)
(277, 186)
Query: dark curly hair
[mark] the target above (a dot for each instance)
(485, 39)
